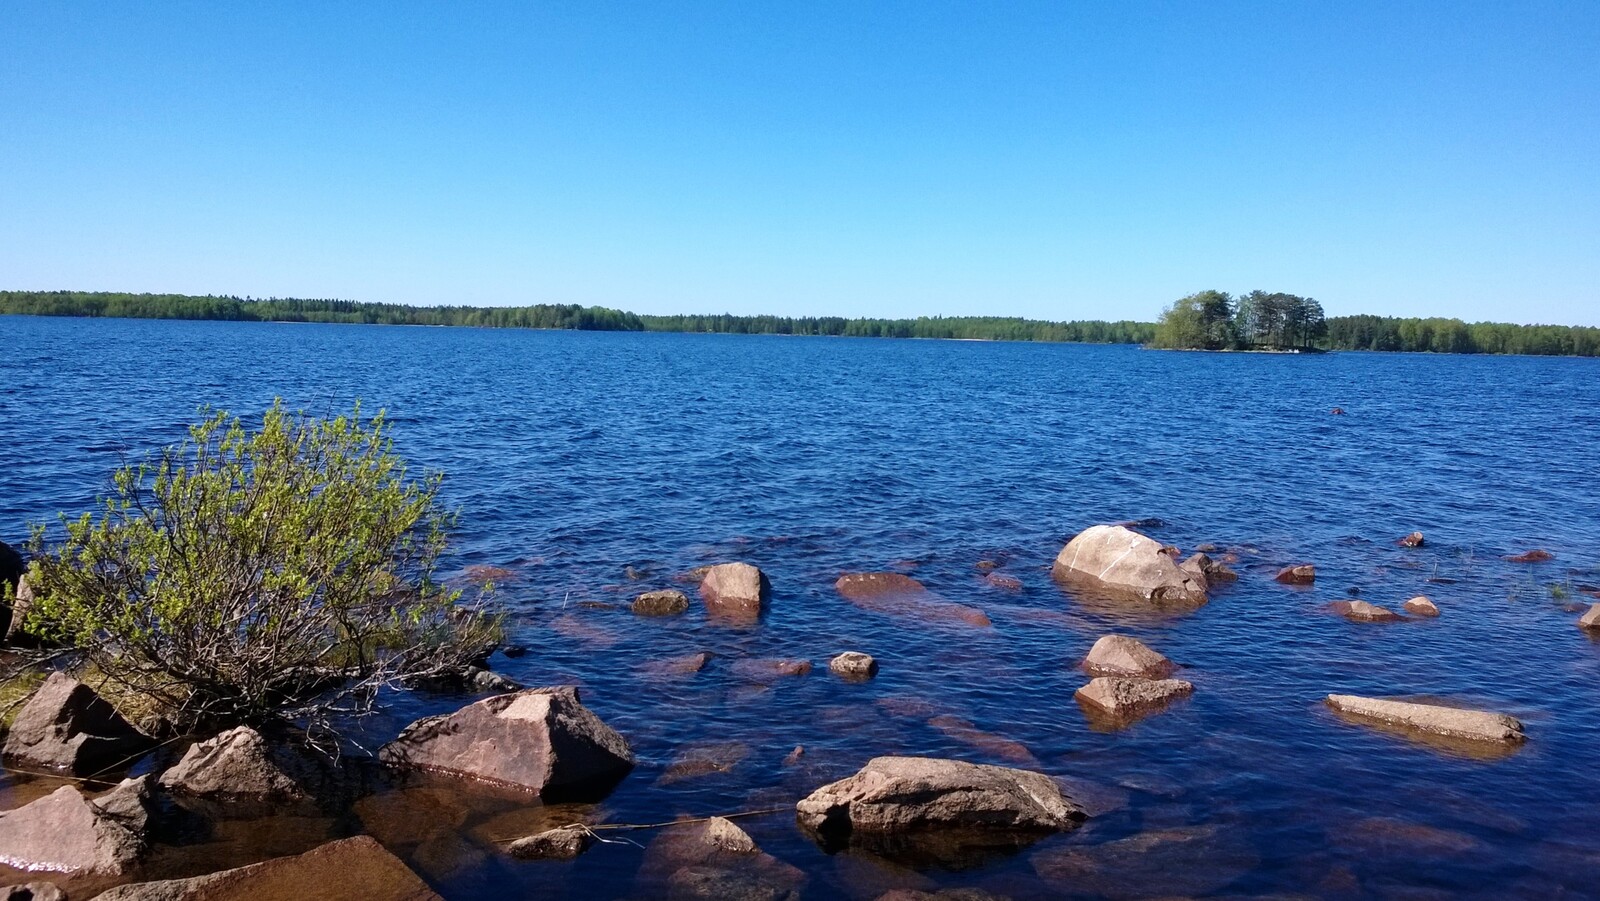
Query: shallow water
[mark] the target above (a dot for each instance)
(594, 466)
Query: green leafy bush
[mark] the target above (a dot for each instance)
(243, 576)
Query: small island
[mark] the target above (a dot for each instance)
(1258, 321)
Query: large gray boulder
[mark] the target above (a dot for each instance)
(1433, 719)
(736, 590)
(541, 740)
(69, 728)
(1123, 562)
(68, 832)
(936, 811)
(353, 869)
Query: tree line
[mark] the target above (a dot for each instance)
(556, 316)
(1212, 320)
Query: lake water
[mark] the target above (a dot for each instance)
(595, 466)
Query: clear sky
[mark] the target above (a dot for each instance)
(1056, 160)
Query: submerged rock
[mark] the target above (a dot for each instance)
(352, 869)
(686, 665)
(1299, 574)
(854, 666)
(542, 740)
(1421, 606)
(1364, 612)
(66, 832)
(1125, 562)
(1121, 655)
(564, 843)
(942, 811)
(1121, 696)
(901, 595)
(1434, 719)
(1003, 581)
(1533, 556)
(768, 669)
(667, 602)
(734, 589)
(715, 859)
(67, 727)
(1415, 539)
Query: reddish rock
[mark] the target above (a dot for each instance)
(1363, 612)
(734, 589)
(66, 832)
(1436, 719)
(1533, 556)
(686, 665)
(1422, 606)
(542, 740)
(715, 859)
(33, 891)
(1211, 570)
(865, 586)
(988, 744)
(1125, 562)
(1299, 574)
(353, 869)
(1121, 655)
(1415, 539)
(66, 726)
(770, 668)
(1003, 581)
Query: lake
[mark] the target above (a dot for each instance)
(594, 466)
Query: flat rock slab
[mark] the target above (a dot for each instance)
(1121, 696)
(893, 802)
(67, 832)
(353, 869)
(541, 739)
(1122, 655)
(1433, 719)
(1122, 561)
(66, 726)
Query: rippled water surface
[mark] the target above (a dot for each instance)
(595, 466)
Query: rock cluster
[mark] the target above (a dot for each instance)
(1130, 679)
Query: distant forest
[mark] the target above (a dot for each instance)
(1304, 324)
(557, 316)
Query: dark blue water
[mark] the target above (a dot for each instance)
(595, 466)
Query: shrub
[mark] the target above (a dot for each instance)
(261, 576)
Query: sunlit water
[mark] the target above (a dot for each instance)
(595, 466)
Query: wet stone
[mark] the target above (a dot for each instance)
(553, 844)
(1421, 606)
(1118, 696)
(1363, 612)
(1122, 655)
(1299, 574)
(854, 666)
(668, 602)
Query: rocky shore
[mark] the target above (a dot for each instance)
(125, 793)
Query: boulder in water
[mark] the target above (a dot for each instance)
(1590, 618)
(1364, 612)
(854, 666)
(1122, 655)
(667, 602)
(1298, 574)
(563, 843)
(1121, 697)
(1421, 606)
(542, 740)
(1415, 539)
(734, 589)
(1124, 562)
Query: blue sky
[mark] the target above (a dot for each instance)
(1056, 160)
